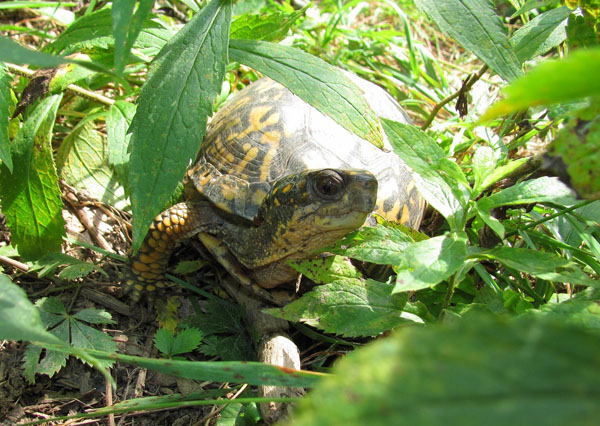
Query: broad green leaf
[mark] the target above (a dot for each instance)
(82, 160)
(94, 316)
(540, 190)
(480, 371)
(533, 4)
(323, 270)
(545, 265)
(19, 319)
(382, 244)
(475, 25)
(501, 172)
(126, 26)
(582, 310)
(186, 341)
(15, 53)
(323, 86)
(95, 31)
(172, 111)
(30, 195)
(576, 148)
(484, 160)
(551, 82)
(253, 373)
(423, 155)
(268, 27)
(349, 307)
(430, 262)
(541, 34)
(119, 117)
(5, 102)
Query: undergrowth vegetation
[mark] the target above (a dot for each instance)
(493, 303)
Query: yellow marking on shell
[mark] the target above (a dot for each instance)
(287, 188)
(394, 212)
(227, 192)
(239, 103)
(250, 155)
(267, 160)
(405, 215)
(258, 196)
(276, 202)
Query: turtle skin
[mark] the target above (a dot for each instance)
(275, 180)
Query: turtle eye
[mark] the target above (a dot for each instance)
(328, 184)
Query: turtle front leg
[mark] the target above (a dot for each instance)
(168, 230)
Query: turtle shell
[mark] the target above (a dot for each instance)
(265, 132)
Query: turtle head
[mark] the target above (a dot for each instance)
(306, 211)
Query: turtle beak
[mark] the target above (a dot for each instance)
(362, 190)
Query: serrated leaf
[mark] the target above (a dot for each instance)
(228, 348)
(500, 172)
(30, 195)
(349, 308)
(430, 262)
(493, 371)
(326, 269)
(163, 340)
(126, 26)
(119, 117)
(319, 84)
(541, 34)
(186, 341)
(475, 25)
(551, 82)
(30, 360)
(172, 111)
(540, 190)
(268, 27)
(382, 244)
(577, 149)
(423, 155)
(545, 265)
(84, 336)
(94, 316)
(80, 270)
(82, 160)
(19, 319)
(95, 31)
(5, 102)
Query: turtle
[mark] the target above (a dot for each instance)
(276, 180)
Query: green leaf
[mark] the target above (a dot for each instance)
(350, 308)
(582, 310)
(254, 373)
(430, 262)
(540, 190)
(172, 111)
(19, 319)
(475, 25)
(576, 151)
(119, 117)
(82, 160)
(186, 341)
(327, 269)
(545, 265)
(551, 82)
(541, 34)
(126, 26)
(323, 86)
(86, 337)
(484, 160)
(424, 156)
(480, 371)
(15, 53)
(94, 316)
(5, 102)
(501, 172)
(30, 195)
(273, 26)
(382, 244)
(95, 31)
(163, 340)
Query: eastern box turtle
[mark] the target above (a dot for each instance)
(275, 180)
